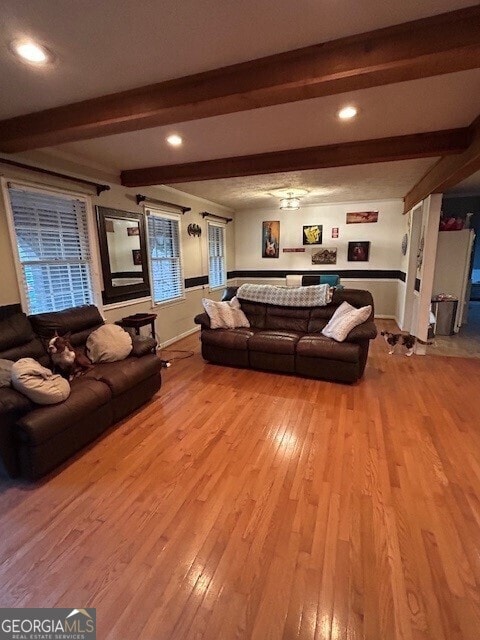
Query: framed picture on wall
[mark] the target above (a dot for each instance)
(326, 255)
(137, 257)
(359, 217)
(312, 234)
(358, 251)
(270, 239)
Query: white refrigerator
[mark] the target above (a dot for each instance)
(453, 269)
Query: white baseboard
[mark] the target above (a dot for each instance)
(167, 343)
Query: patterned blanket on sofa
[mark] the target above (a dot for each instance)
(315, 296)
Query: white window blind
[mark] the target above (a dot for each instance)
(165, 262)
(217, 273)
(53, 249)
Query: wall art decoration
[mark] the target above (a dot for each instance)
(137, 257)
(194, 230)
(326, 255)
(334, 232)
(133, 231)
(312, 234)
(357, 217)
(358, 251)
(270, 238)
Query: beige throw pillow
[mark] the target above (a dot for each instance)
(344, 320)
(38, 383)
(109, 343)
(225, 315)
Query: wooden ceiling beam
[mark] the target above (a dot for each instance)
(448, 171)
(432, 46)
(418, 145)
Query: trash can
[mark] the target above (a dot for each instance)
(445, 312)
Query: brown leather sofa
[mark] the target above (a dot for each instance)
(289, 340)
(35, 439)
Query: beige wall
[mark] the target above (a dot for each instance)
(385, 245)
(174, 319)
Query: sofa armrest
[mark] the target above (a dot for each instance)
(142, 345)
(365, 331)
(203, 319)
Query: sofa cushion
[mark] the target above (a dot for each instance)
(227, 338)
(255, 312)
(39, 383)
(344, 320)
(287, 318)
(122, 376)
(319, 318)
(15, 331)
(283, 342)
(319, 346)
(109, 343)
(12, 401)
(17, 339)
(44, 423)
(79, 321)
(5, 372)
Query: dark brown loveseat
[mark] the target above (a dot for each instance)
(36, 439)
(289, 340)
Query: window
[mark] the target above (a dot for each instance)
(52, 241)
(217, 274)
(165, 262)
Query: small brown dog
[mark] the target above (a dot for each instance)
(65, 359)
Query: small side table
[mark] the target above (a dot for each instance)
(139, 320)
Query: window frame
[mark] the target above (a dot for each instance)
(222, 225)
(5, 183)
(159, 213)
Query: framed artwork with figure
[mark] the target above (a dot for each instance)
(358, 251)
(270, 239)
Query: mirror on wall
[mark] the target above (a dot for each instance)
(123, 254)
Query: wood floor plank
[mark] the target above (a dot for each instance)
(249, 505)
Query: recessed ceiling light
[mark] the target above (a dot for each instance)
(347, 113)
(31, 52)
(174, 140)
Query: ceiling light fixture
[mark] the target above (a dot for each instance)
(289, 198)
(31, 52)
(175, 140)
(290, 203)
(347, 113)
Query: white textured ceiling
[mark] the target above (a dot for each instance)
(342, 184)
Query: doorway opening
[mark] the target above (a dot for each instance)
(456, 289)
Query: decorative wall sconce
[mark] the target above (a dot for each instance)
(194, 230)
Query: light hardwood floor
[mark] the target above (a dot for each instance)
(241, 504)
